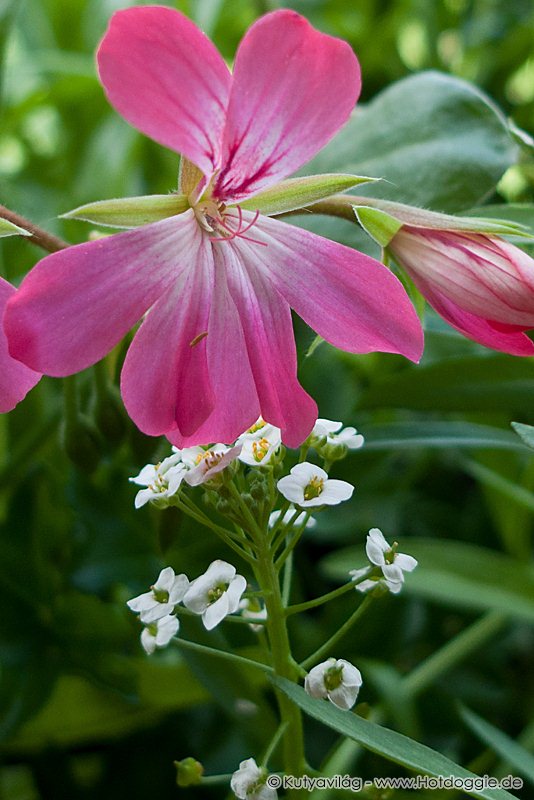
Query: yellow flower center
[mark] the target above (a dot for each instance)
(314, 488)
(260, 449)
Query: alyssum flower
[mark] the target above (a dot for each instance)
(161, 480)
(393, 565)
(164, 595)
(309, 485)
(215, 594)
(249, 782)
(217, 278)
(338, 680)
(159, 633)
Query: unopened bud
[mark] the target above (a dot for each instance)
(189, 772)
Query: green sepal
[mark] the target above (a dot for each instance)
(380, 226)
(422, 218)
(8, 228)
(130, 212)
(296, 193)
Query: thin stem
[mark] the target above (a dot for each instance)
(216, 780)
(185, 612)
(222, 533)
(40, 238)
(318, 601)
(292, 544)
(273, 744)
(286, 580)
(329, 644)
(223, 654)
(278, 536)
(247, 513)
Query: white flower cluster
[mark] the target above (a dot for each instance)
(213, 596)
(392, 565)
(256, 447)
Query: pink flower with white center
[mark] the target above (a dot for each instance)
(216, 348)
(16, 379)
(480, 284)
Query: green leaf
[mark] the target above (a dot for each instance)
(456, 574)
(389, 744)
(8, 228)
(457, 384)
(130, 212)
(297, 193)
(515, 755)
(525, 432)
(381, 226)
(424, 433)
(436, 141)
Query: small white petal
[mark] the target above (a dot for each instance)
(366, 586)
(344, 697)
(351, 674)
(165, 580)
(142, 602)
(292, 489)
(235, 589)
(392, 572)
(143, 497)
(146, 476)
(244, 778)
(335, 491)
(215, 612)
(376, 546)
(393, 587)
(167, 628)
(157, 611)
(179, 588)
(405, 562)
(148, 640)
(325, 426)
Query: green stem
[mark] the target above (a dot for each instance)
(314, 658)
(185, 612)
(291, 544)
(223, 654)
(273, 744)
(282, 661)
(318, 601)
(248, 517)
(189, 508)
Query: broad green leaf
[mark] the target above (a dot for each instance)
(525, 433)
(455, 574)
(381, 226)
(436, 140)
(515, 755)
(130, 212)
(486, 383)
(389, 744)
(430, 433)
(297, 193)
(8, 228)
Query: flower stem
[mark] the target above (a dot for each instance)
(40, 238)
(318, 601)
(223, 654)
(282, 660)
(327, 646)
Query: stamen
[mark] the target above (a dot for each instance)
(239, 230)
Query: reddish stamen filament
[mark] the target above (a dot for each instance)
(237, 233)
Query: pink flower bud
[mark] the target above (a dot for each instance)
(480, 284)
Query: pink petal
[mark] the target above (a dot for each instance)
(236, 400)
(16, 380)
(351, 300)
(266, 321)
(491, 334)
(165, 380)
(75, 305)
(164, 76)
(292, 90)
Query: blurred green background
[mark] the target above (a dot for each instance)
(83, 712)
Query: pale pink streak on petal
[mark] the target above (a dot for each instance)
(292, 90)
(267, 325)
(16, 379)
(165, 381)
(77, 304)
(350, 299)
(505, 338)
(236, 400)
(165, 77)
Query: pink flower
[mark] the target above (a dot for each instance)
(216, 348)
(16, 380)
(481, 285)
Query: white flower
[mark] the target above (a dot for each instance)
(258, 447)
(252, 609)
(392, 564)
(168, 590)
(216, 593)
(162, 480)
(259, 430)
(159, 633)
(286, 519)
(308, 485)
(336, 434)
(338, 680)
(249, 782)
(203, 464)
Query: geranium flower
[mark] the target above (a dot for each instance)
(219, 279)
(16, 379)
